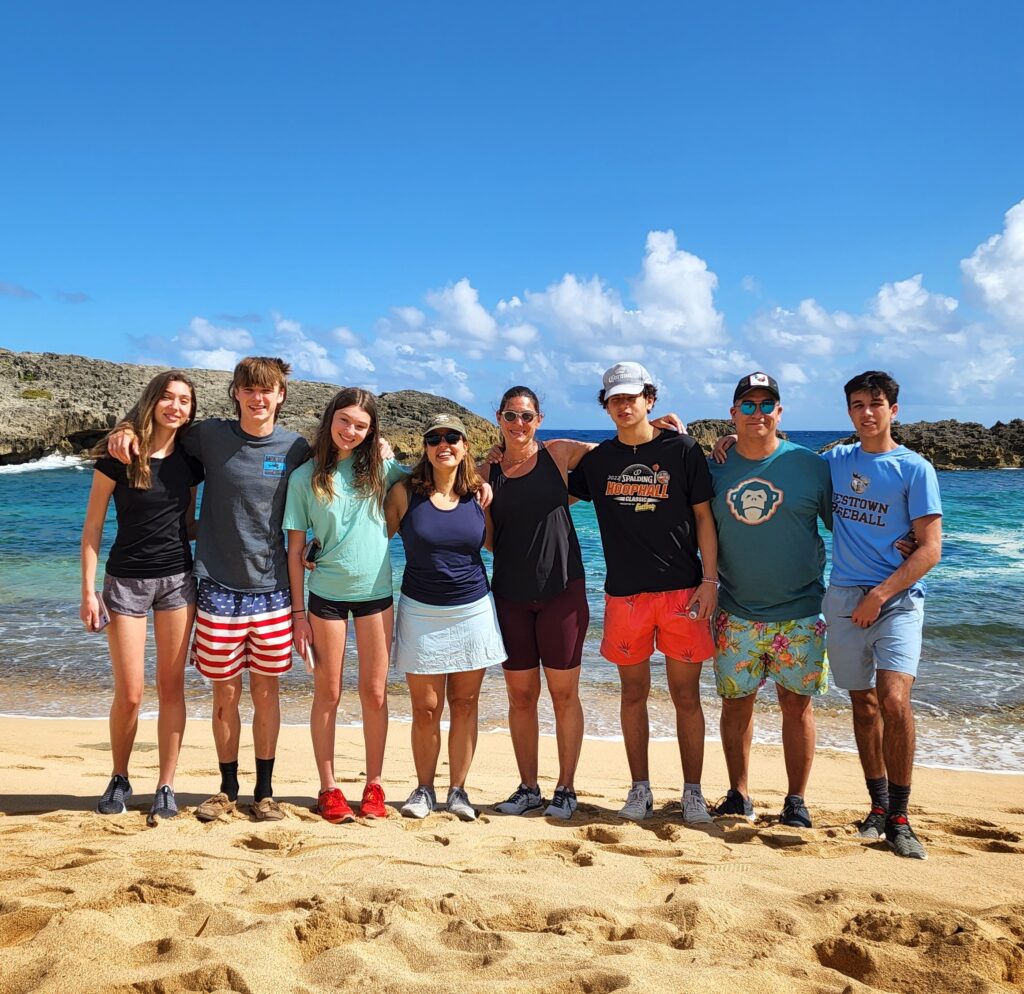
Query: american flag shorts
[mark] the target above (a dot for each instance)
(237, 631)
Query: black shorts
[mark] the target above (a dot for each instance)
(340, 610)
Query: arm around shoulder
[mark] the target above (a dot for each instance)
(395, 505)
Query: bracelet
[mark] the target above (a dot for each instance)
(294, 613)
(708, 579)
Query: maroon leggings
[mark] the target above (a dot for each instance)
(549, 632)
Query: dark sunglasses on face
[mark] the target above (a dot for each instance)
(749, 406)
(525, 416)
(451, 437)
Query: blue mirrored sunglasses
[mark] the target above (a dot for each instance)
(749, 406)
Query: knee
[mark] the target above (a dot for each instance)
(464, 704)
(795, 707)
(523, 700)
(426, 714)
(686, 699)
(170, 686)
(328, 697)
(894, 707)
(264, 698)
(373, 698)
(563, 699)
(865, 710)
(127, 701)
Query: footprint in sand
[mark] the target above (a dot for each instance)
(220, 977)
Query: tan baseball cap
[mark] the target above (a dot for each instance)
(446, 422)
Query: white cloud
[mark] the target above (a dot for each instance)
(203, 334)
(996, 270)
(354, 359)
(514, 354)
(521, 334)
(412, 317)
(307, 356)
(344, 336)
(211, 358)
(906, 307)
(459, 306)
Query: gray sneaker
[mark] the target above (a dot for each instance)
(563, 804)
(695, 808)
(639, 803)
(523, 799)
(901, 839)
(458, 804)
(421, 802)
(164, 805)
(116, 797)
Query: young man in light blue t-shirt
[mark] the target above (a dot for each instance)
(769, 497)
(875, 601)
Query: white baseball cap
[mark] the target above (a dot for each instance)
(626, 377)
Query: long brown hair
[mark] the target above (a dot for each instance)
(141, 420)
(467, 481)
(367, 464)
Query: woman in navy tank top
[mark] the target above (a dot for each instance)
(446, 631)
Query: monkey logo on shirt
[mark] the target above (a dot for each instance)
(754, 501)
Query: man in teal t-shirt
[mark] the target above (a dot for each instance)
(769, 496)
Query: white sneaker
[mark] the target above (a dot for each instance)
(639, 803)
(458, 804)
(421, 802)
(523, 799)
(695, 809)
(563, 804)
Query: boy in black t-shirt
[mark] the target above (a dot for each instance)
(652, 494)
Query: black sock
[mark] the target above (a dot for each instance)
(899, 798)
(879, 791)
(229, 779)
(264, 773)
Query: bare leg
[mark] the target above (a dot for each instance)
(523, 688)
(373, 643)
(636, 729)
(227, 726)
(463, 704)
(329, 646)
(266, 718)
(171, 630)
(126, 639)
(737, 729)
(899, 737)
(564, 687)
(427, 694)
(684, 685)
(798, 738)
(867, 730)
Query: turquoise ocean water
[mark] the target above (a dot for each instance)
(969, 696)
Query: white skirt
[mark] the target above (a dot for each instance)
(433, 638)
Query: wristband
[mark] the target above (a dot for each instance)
(708, 579)
(294, 613)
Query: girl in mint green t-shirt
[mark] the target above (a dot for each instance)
(339, 494)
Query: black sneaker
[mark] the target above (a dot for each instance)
(164, 804)
(901, 838)
(563, 804)
(116, 797)
(735, 805)
(873, 827)
(794, 812)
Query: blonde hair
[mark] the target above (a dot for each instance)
(367, 464)
(263, 372)
(140, 418)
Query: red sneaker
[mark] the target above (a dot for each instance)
(332, 806)
(373, 802)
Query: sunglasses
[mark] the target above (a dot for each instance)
(525, 416)
(435, 438)
(749, 406)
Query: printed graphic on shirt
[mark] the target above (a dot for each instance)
(754, 501)
(867, 512)
(273, 466)
(638, 486)
(858, 483)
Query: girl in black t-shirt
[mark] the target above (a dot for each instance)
(149, 567)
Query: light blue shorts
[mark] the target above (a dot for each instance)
(892, 643)
(431, 638)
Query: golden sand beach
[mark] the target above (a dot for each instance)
(91, 903)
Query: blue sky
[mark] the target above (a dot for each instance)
(455, 197)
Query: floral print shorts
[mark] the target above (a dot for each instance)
(792, 653)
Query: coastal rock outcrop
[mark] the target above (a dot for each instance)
(65, 403)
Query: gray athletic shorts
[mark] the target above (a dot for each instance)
(135, 595)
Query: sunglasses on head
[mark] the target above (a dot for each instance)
(435, 437)
(749, 406)
(525, 416)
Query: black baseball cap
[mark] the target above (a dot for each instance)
(756, 381)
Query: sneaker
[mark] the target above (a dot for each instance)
(735, 804)
(372, 804)
(164, 804)
(873, 827)
(901, 838)
(639, 803)
(794, 812)
(563, 804)
(523, 799)
(695, 808)
(116, 797)
(332, 806)
(216, 807)
(458, 804)
(268, 810)
(421, 802)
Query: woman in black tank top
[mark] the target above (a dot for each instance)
(540, 596)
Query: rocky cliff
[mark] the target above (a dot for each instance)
(64, 403)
